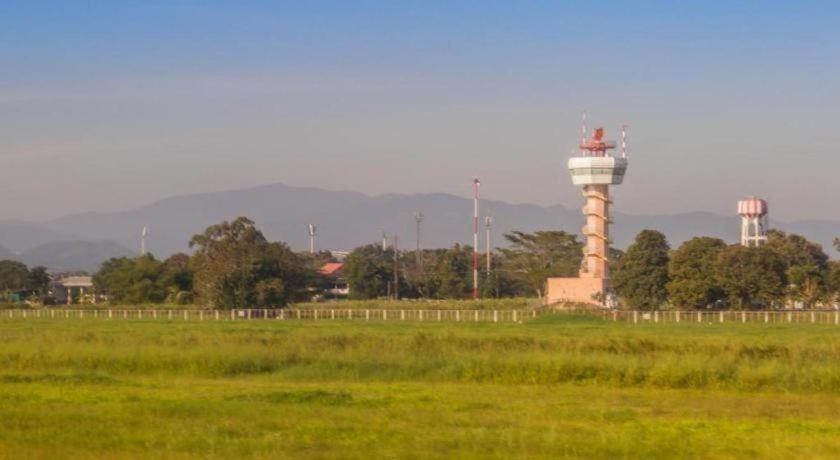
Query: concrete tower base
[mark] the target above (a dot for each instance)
(575, 290)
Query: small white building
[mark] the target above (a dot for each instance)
(68, 289)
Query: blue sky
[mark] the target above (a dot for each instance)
(109, 105)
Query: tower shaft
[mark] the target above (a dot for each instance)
(596, 230)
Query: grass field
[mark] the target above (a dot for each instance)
(557, 386)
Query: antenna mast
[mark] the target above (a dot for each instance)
(623, 141)
(418, 219)
(143, 234)
(582, 130)
(313, 231)
(488, 221)
(476, 185)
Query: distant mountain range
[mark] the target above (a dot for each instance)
(344, 219)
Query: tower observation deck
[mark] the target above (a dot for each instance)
(594, 170)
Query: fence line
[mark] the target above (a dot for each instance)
(722, 317)
(458, 316)
(396, 315)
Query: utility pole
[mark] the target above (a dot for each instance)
(313, 230)
(418, 219)
(476, 185)
(488, 221)
(384, 241)
(396, 269)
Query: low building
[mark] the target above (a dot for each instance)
(336, 283)
(73, 289)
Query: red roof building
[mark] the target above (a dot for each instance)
(334, 272)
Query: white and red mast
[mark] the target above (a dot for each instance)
(476, 185)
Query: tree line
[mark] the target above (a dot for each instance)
(233, 265)
(705, 272)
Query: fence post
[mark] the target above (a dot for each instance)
(421, 315)
(495, 317)
(813, 319)
(476, 315)
(402, 315)
(367, 315)
(332, 314)
(766, 317)
(743, 317)
(635, 317)
(699, 316)
(514, 315)
(656, 316)
(678, 316)
(837, 317)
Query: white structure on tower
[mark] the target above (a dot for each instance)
(753, 213)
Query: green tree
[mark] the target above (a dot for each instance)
(39, 281)
(641, 276)
(803, 260)
(808, 284)
(236, 267)
(131, 281)
(14, 276)
(369, 270)
(177, 279)
(796, 251)
(534, 257)
(751, 277)
(833, 281)
(453, 273)
(691, 271)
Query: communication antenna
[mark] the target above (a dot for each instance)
(488, 221)
(583, 129)
(143, 234)
(418, 219)
(623, 141)
(476, 185)
(313, 231)
(396, 268)
(384, 241)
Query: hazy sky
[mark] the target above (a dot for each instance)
(106, 105)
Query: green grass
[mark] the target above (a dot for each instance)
(558, 386)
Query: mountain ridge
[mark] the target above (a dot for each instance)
(347, 219)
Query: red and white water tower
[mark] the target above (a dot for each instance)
(753, 212)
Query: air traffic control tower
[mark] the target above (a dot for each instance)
(594, 170)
